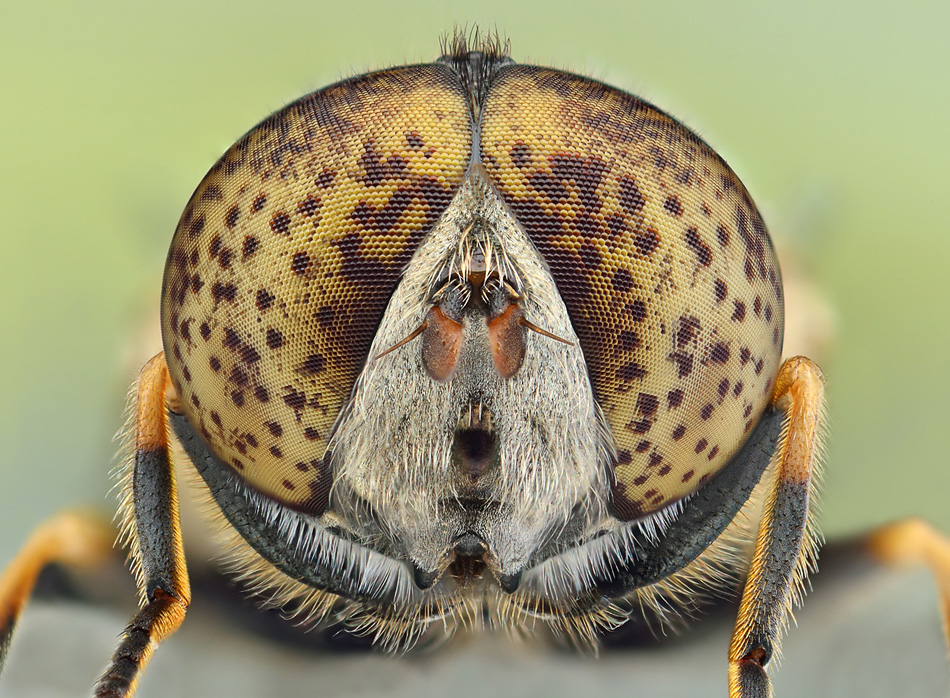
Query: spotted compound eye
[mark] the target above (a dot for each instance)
(285, 258)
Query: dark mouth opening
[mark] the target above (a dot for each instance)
(475, 449)
(468, 563)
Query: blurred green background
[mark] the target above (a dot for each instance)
(832, 113)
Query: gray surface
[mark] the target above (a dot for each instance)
(866, 635)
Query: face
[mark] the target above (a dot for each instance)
(472, 325)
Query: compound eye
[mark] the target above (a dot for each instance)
(663, 262)
(285, 257)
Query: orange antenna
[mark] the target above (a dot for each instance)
(534, 328)
(412, 335)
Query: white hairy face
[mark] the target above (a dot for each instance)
(425, 462)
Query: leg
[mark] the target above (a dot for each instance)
(915, 542)
(150, 506)
(786, 541)
(71, 539)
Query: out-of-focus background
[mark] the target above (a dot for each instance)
(833, 114)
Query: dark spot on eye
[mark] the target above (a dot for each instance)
(720, 289)
(301, 263)
(768, 313)
(640, 479)
(311, 434)
(414, 140)
(249, 354)
(688, 475)
(647, 242)
(315, 363)
(637, 310)
(196, 283)
(239, 376)
(673, 206)
(274, 339)
(260, 392)
(265, 299)
(294, 399)
(758, 366)
(251, 440)
(647, 404)
(723, 387)
(205, 331)
(520, 155)
(631, 371)
(736, 389)
(274, 428)
(622, 281)
(288, 484)
(216, 418)
(232, 340)
(237, 397)
(688, 327)
(195, 401)
(640, 427)
(259, 203)
(280, 223)
(630, 197)
(665, 470)
(193, 259)
(707, 411)
(712, 452)
(197, 225)
(231, 218)
(215, 247)
(722, 235)
(221, 292)
(186, 374)
(738, 315)
(684, 363)
(757, 306)
(250, 246)
(301, 466)
(309, 206)
(655, 459)
(276, 452)
(212, 193)
(590, 256)
(215, 364)
(744, 356)
(719, 354)
(695, 243)
(747, 411)
(628, 340)
(225, 258)
(623, 457)
(642, 446)
(679, 432)
(674, 398)
(701, 445)
(325, 179)
(650, 493)
(237, 464)
(325, 316)
(776, 335)
(185, 330)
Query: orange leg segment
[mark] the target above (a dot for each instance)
(72, 539)
(915, 542)
(154, 531)
(786, 542)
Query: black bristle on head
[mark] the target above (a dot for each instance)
(475, 58)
